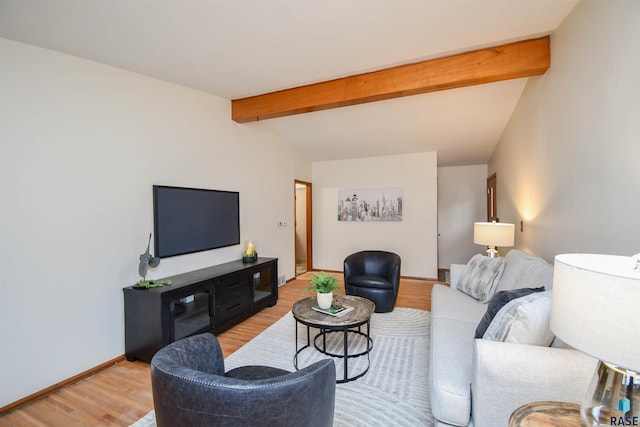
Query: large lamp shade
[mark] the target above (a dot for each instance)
(594, 309)
(595, 301)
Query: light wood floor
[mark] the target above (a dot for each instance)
(120, 395)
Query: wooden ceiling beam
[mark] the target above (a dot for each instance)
(508, 61)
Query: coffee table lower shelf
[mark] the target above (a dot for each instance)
(350, 325)
(322, 348)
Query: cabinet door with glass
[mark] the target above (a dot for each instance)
(264, 283)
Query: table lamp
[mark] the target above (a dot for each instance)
(595, 301)
(493, 234)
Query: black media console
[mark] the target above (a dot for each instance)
(208, 300)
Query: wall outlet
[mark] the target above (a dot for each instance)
(282, 223)
(282, 279)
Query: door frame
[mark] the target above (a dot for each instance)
(309, 217)
(492, 197)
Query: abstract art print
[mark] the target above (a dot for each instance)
(372, 204)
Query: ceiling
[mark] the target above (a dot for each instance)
(240, 48)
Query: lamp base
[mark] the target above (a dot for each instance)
(492, 252)
(615, 400)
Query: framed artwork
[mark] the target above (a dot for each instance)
(370, 204)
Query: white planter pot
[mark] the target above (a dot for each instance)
(325, 300)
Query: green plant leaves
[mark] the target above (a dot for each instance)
(322, 283)
(153, 283)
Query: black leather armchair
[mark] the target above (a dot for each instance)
(374, 275)
(191, 388)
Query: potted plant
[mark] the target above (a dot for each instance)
(324, 285)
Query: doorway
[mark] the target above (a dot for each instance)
(492, 208)
(302, 227)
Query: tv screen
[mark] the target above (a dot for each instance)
(190, 220)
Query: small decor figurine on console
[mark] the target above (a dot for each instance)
(147, 260)
(250, 255)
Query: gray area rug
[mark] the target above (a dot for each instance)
(393, 392)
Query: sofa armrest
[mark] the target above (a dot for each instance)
(507, 376)
(455, 272)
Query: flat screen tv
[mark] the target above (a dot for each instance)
(188, 220)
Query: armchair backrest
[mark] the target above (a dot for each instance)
(185, 396)
(373, 263)
(200, 353)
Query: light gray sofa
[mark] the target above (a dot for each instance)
(477, 382)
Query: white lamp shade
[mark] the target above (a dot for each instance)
(595, 300)
(493, 234)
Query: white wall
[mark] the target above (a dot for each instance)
(569, 160)
(81, 146)
(414, 238)
(461, 202)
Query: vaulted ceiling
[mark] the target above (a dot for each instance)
(242, 48)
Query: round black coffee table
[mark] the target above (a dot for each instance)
(348, 323)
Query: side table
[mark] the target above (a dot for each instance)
(547, 414)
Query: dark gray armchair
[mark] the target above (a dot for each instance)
(374, 275)
(191, 388)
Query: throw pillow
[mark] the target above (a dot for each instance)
(524, 320)
(481, 276)
(497, 302)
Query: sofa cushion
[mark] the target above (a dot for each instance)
(536, 273)
(514, 262)
(524, 320)
(499, 300)
(481, 276)
(452, 304)
(523, 270)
